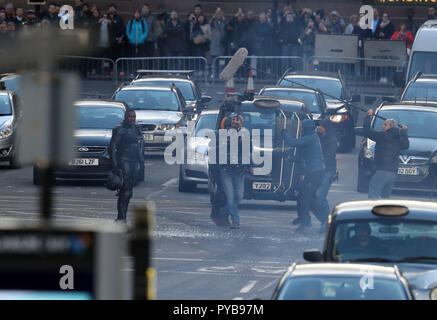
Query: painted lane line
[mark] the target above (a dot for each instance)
(248, 286)
(238, 298)
(178, 259)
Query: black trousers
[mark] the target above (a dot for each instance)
(307, 196)
(130, 173)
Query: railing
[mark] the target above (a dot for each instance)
(363, 74)
(265, 68)
(125, 68)
(88, 68)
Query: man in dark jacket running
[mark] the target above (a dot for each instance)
(389, 143)
(310, 152)
(328, 141)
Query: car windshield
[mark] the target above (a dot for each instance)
(149, 99)
(329, 86)
(5, 105)
(423, 61)
(185, 87)
(309, 98)
(98, 117)
(421, 91)
(421, 124)
(339, 288)
(207, 121)
(386, 241)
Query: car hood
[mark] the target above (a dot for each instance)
(158, 117)
(93, 137)
(421, 147)
(4, 120)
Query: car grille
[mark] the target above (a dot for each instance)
(148, 127)
(84, 149)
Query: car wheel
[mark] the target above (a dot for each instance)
(185, 186)
(362, 182)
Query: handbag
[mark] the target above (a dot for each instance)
(199, 39)
(114, 181)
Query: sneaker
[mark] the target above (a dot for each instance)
(235, 225)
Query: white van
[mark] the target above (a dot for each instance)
(423, 56)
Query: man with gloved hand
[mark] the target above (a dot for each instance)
(126, 152)
(310, 152)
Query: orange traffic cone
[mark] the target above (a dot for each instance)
(230, 87)
(250, 86)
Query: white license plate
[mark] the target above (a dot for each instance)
(148, 137)
(84, 162)
(414, 171)
(261, 185)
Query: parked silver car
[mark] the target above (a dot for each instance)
(10, 120)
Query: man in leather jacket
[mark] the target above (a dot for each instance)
(126, 151)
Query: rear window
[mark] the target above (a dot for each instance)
(5, 106)
(185, 87)
(339, 288)
(97, 117)
(421, 91)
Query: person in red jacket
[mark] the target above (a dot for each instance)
(404, 34)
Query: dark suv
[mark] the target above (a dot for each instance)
(345, 117)
(418, 164)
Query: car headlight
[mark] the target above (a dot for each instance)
(433, 294)
(166, 127)
(5, 132)
(338, 118)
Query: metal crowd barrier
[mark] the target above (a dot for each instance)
(264, 68)
(125, 68)
(364, 75)
(88, 68)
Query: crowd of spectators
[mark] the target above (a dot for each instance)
(168, 34)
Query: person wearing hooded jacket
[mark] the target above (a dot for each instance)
(310, 152)
(136, 32)
(389, 143)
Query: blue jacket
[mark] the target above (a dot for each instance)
(309, 146)
(137, 31)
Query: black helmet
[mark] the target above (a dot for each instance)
(114, 181)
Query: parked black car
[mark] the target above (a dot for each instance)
(345, 116)
(418, 164)
(95, 121)
(10, 122)
(385, 232)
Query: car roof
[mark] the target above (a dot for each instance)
(288, 101)
(411, 105)
(339, 269)
(147, 87)
(427, 78)
(362, 209)
(106, 103)
(290, 89)
(8, 75)
(313, 74)
(170, 79)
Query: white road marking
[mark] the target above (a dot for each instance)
(248, 286)
(165, 186)
(178, 259)
(238, 298)
(170, 182)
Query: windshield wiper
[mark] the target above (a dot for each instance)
(375, 259)
(417, 258)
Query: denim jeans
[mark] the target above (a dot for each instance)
(233, 186)
(321, 205)
(381, 184)
(307, 195)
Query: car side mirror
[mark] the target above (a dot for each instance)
(313, 255)
(359, 131)
(205, 99)
(189, 109)
(356, 98)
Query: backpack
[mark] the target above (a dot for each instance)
(131, 23)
